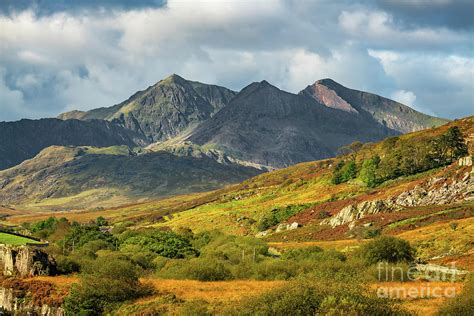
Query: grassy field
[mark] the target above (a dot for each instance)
(9, 239)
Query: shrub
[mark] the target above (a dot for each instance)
(387, 248)
(163, 243)
(462, 304)
(310, 297)
(202, 269)
(67, 265)
(106, 281)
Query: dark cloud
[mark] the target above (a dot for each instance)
(455, 14)
(47, 7)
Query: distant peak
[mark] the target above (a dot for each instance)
(174, 78)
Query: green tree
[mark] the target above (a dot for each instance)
(368, 171)
(349, 171)
(389, 249)
(101, 221)
(450, 145)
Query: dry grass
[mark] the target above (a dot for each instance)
(441, 240)
(222, 291)
(427, 304)
(339, 245)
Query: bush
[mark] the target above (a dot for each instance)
(389, 249)
(106, 281)
(202, 269)
(316, 298)
(462, 304)
(67, 265)
(163, 243)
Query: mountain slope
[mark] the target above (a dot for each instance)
(392, 114)
(75, 177)
(272, 127)
(165, 109)
(24, 139)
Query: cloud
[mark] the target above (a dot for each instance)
(405, 97)
(443, 84)
(379, 28)
(61, 57)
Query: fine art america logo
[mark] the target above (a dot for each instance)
(432, 281)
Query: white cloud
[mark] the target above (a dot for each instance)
(62, 61)
(404, 97)
(380, 28)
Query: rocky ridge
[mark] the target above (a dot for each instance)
(435, 191)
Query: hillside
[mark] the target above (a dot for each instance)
(306, 194)
(163, 110)
(268, 126)
(78, 177)
(392, 114)
(24, 139)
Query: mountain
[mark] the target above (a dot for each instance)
(261, 124)
(78, 177)
(163, 110)
(24, 139)
(268, 126)
(392, 114)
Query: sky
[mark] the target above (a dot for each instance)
(60, 55)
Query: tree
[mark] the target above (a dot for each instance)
(368, 171)
(101, 221)
(389, 249)
(449, 146)
(349, 171)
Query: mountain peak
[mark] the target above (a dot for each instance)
(173, 78)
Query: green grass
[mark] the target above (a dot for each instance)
(9, 239)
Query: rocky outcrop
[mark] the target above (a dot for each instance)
(436, 191)
(465, 161)
(11, 304)
(25, 261)
(354, 212)
(282, 227)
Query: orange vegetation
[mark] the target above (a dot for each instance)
(339, 245)
(422, 298)
(212, 291)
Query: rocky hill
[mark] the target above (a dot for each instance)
(24, 139)
(268, 126)
(163, 110)
(78, 177)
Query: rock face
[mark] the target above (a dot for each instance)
(465, 161)
(25, 261)
(436, 191)
(11, 305)
(392, 114)
(283, 227)
(352, 213)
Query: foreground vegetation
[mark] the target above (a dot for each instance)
(115, 267)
